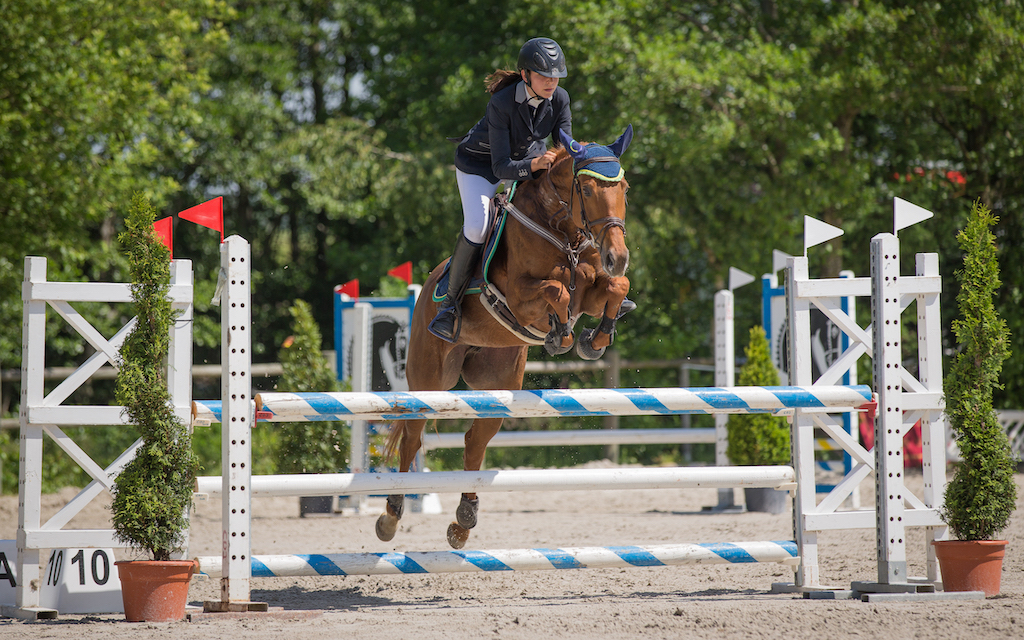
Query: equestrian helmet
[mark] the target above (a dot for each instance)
(543, 56)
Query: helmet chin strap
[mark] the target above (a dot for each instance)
(534, 98)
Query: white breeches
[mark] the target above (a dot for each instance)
(476, 193)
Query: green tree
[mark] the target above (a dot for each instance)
(153, 493)
(323, 123)
(982, 493)
(758, 438)
(92, 94)
(309, 447)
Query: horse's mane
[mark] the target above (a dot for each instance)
(536, 195)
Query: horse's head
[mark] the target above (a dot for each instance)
(600, 187)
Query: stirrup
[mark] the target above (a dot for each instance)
(444, 333)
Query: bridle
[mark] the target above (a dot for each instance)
(565, 244)
(609, 222)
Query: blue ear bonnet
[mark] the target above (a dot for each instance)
(607, 169)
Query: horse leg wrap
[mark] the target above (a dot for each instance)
(465, 515)
(396, 504)
(607, 326)
(559, 331)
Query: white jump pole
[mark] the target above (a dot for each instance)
(511, 480)
(576, 438)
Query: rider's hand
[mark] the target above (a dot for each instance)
(543, 162)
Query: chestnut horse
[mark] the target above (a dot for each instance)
(562, 254)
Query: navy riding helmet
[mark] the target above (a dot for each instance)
(543, 56)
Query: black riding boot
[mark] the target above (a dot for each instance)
(448, 321)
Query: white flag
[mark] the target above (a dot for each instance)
(905, 214)
(816, 232)
(738, 278)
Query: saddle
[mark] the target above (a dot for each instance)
(490, 297)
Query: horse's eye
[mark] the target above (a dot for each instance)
(587, 191)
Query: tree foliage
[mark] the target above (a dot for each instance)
(309, 447)
(322, 123)
(153, 493)
(758, 438)
(92, 96)
(982, 493)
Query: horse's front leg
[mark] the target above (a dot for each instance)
(477, 437)
(558, 298)
(406, 436)
(536, 300)
(608, 300)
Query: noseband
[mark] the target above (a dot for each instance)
(608, 221)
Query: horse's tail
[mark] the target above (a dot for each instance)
(394, 440)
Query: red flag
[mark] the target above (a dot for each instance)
(209, 214)
(165, 229)
(350, 288)
(403, 271)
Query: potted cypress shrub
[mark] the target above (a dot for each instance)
(759, 438)
(309, 447)
(153, 494)
(981, 496)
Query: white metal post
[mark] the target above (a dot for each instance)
(236, 428)
(933, 424)
(361, 359)
(359, 455)
(179, 362)
(802, 428)
(725, 375)
(30, 456)
(888, 381)
(851, 420)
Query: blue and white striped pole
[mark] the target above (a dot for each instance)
(310, 407)
(367, 564)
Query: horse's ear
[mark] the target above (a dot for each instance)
(574, 148)
(619, 146)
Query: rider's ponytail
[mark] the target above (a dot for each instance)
(500, 79)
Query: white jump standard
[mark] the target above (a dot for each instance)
(907, 395)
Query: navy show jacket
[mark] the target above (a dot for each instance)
(501, 145)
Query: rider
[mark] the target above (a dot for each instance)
(526, 106)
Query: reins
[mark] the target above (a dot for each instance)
(572, 250)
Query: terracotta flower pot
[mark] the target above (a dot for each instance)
(971, 565)
(155, 591)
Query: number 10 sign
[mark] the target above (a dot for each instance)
(82, 581)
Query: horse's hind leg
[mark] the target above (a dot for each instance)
(405, 436)
(477, 437)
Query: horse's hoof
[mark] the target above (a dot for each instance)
(465, 515)
(553, 344)
(457, 535)
(585, 346)
(386, 527)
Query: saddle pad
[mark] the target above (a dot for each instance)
(476, 283)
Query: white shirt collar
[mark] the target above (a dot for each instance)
(522, 95)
